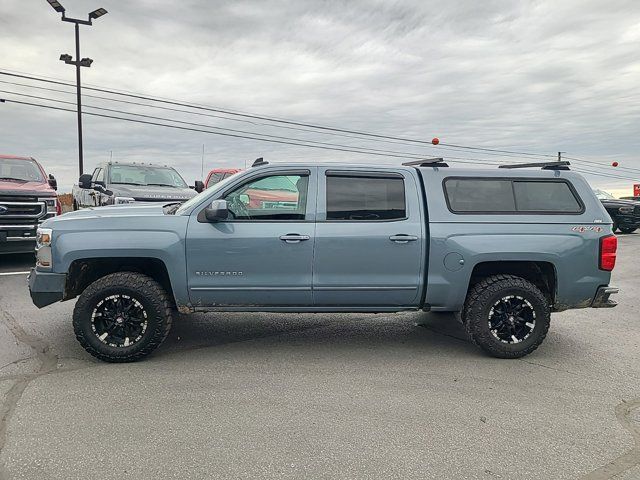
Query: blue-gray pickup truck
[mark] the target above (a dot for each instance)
(503, 247)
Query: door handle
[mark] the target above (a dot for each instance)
(294, 238)
(403, 238)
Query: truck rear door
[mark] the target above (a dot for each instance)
(370, 238)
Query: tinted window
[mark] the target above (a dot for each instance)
(476, 195)
(545, 197)
(365, 199)
(277, 197)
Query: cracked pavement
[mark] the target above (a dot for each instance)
(322, 396)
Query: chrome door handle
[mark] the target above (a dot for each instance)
(294, 238)
(402, 238)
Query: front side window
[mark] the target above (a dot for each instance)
(214, 178)
(276, 197)
(98, 175)
(357, 198)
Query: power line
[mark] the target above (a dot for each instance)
(296, 142)
(276, 120)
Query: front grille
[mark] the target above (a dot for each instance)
(20, 217)
(20, 210)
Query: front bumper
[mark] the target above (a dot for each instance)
(46, 288)
(602, 299)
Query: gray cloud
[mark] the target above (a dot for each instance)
(542, 76)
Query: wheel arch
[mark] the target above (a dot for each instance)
(83, 272)
(541, 273)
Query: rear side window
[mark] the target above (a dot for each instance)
(473, 195)
(478, 195)
(357, 198)
(545, 197)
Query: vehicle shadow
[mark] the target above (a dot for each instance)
(415, 330)
(19, 262)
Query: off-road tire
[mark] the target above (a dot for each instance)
(484, 295)
(145, 290)
(627, 230)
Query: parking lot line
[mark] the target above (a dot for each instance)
(6, 274)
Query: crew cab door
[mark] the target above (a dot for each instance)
(370, 239)
(262, 255)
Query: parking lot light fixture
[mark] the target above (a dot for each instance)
(97, 13)
(78, 62)
(56, 6)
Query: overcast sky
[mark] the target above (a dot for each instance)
(539, 76)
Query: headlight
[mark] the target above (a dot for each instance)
(43, 247)
(626, 210)
(121, 200)
(50, 204)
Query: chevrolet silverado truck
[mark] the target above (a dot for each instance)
(503, 247)
(624, 213)
(27, 198)
(116, 183)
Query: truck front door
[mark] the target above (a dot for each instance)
(262, 255)
(370, 236)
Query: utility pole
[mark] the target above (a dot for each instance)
(85, 62)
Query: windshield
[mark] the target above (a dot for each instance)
(198, 198)
(602, 195)
(20, 170)
(145, 175)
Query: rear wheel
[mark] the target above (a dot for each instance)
(122, 317)
(627, 230)
(506, 316)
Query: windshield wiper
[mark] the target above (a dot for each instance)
(161, 185)
(128, 183)
(14, 179)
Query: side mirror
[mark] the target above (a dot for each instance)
(85, 180)
(198, 186)
(53, 183)
(217, 211)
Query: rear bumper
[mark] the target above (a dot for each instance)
(602, 299)
(46, 288)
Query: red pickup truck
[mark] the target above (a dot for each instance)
(27, 198)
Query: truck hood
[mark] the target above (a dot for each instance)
(22, 188)
(619, 203)
(152, 193)
(126, 210)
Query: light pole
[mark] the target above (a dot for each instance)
(85, 62)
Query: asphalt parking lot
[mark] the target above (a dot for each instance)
(322, 396)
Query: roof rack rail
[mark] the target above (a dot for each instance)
(427, 162)
(259, 161)
(562, 165)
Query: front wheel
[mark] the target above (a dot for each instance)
(507, 316)
(122, 317)
(627, 230)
